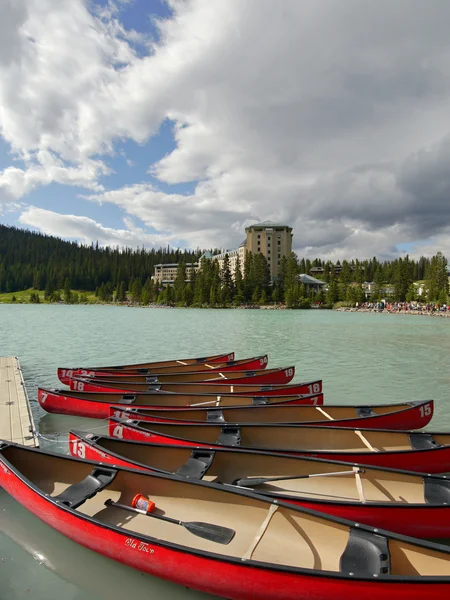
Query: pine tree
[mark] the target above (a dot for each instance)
(67, 292)
(180, 282)
(136, 290)
(239, 297)
(332, 295)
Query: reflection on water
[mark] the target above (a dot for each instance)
(39, 563)
(361, 358)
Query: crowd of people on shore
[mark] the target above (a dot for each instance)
(418, 308)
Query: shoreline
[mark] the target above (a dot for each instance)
(423, 313)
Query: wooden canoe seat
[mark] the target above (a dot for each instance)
(78, 493)
(197, 464)
(366, 554)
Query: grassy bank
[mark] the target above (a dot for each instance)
(23, 296)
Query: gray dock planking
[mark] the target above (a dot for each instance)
(16, 420)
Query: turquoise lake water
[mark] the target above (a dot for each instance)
(361, 358)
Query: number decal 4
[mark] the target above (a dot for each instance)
(118, 431)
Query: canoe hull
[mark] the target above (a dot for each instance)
(415, 416)
(241, 389)
(226, 579)
(81, 371)
(64, 375)
(436, 460)
(279, 376)
(423, 522)
(66, 404)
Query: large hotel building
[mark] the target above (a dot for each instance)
(273, 240)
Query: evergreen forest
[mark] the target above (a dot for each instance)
(71, 272)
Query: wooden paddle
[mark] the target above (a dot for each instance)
(213, 533)
(254, 481)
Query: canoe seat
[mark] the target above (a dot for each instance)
(196, 465)
(230, 436)
(215, 416)
(260, 400)
(143, 371)
(365, 411)
(366, 554)
(128, 399)
(436, 491)
(151, 379)
(79, 492)
(422, 441)
(154, 387)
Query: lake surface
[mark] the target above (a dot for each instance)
(361, 358)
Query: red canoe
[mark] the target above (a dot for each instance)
(241, 389)
(411, 451)
(410, 415)
(259, 362)
(98, 405)
(234, 544)
(279, 376)
(83, 371)
(405, 502)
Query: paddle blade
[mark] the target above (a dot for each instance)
(213, 533)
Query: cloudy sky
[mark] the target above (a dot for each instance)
(145, 122)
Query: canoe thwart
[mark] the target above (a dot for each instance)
(436, 491)
(196, 465)
(79, 492)
(366, 554)
(262, 530)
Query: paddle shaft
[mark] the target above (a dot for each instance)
(261, 480)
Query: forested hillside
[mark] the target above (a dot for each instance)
(29, 259)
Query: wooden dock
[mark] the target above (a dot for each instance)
(16, 420)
